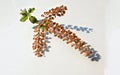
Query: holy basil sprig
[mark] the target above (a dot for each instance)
(28, 15)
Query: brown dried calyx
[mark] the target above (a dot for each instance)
(47, 25)
(39, 39)
(52, 13)
(68, 36)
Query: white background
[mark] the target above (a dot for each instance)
(112, 18)
(16, 55)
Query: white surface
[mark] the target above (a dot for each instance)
(16, 57)
(113, 37)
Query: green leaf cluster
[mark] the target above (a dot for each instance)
(28, 15)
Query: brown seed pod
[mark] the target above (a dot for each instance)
(87, 53)
(84, 49)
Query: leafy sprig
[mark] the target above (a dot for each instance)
(28, 15)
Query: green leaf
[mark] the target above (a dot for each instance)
(31, 10)
(42, 27)
(32, 19)
(23, 18)
(46, 23)
(29, 14)
(23, 12)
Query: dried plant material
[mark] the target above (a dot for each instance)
(52, 13)
(48, 25)
(39, 38)
(84, 49)
(87, 53)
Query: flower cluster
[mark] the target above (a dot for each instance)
(68, 36)
(47, 25)
(58, 31)
(52, 13)
(39, 41)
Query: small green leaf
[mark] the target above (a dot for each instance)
(32, 19)
(31, 10)
(29, 14)
(46, 23)
(23, 18)
(24, 12)
(42, 27)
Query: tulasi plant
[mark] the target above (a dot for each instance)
(47, 25)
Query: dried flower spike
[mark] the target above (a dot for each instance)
(48, 25)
